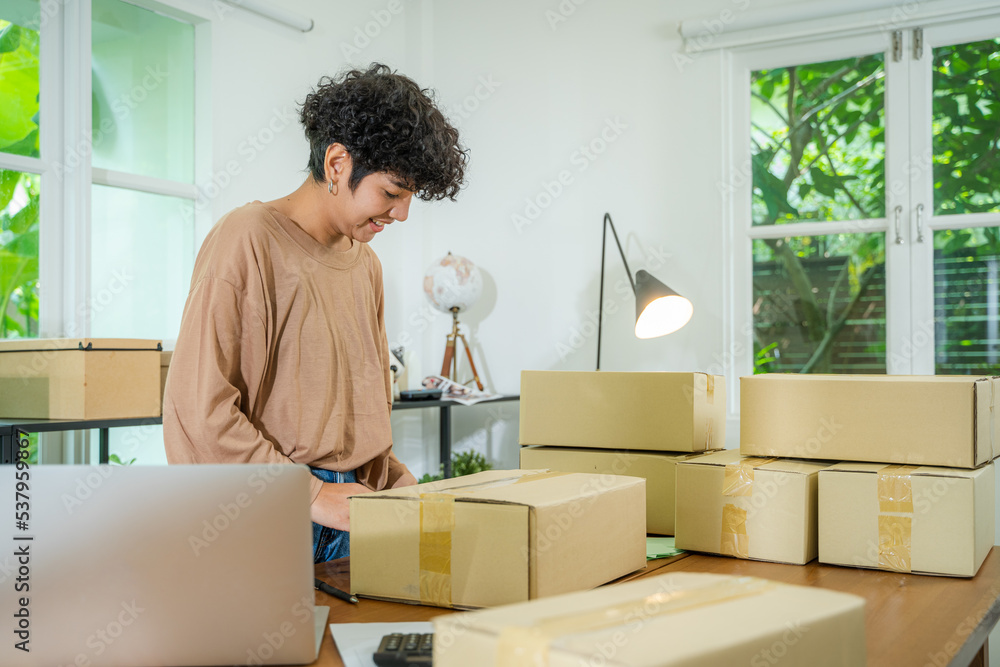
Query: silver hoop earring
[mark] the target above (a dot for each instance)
(330, 189)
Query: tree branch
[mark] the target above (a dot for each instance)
(815, 324)
(841, 136)
(833, 168)
(836, 287)
(769, 103)
(835, 328)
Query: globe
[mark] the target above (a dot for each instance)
(453, 282)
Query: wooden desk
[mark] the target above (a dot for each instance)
(911, 620)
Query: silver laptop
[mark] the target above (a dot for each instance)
(172, 565)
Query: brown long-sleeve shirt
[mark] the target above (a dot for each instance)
(282, 354)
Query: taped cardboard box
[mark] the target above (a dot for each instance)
(923, 520)
(657, 468)
(756, 508)
(668, 412)
(914, 420)
(496, 537)
(694, 620)
(74, 378)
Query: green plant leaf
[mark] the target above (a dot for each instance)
(8, 182)
(18, 95)
(26, 146)
(22, 221)
(10, 38)
(24, 244)
(956, 243)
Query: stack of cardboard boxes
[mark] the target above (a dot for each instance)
(636, 424)
(918, 493)
(656, 426)
(914, 495)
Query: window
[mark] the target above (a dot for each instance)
(965, 117)
(98, 165)
(142, 246)
(818, 137)
(865, 196)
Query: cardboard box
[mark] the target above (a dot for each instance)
(681, 619)
(657, 468)
(923, 520)
(496, 537)
(73, 378)
(165, 358)
(915, 420)
(761, 509)
(667, 412)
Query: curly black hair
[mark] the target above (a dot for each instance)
(388, 124)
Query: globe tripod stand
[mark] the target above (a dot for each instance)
(451, 359)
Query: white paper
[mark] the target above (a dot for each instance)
(357, 642)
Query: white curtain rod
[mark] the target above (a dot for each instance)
(290, 19)
(738, 24)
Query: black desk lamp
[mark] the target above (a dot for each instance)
(658, 309)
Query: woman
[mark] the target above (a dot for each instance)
(282, 355)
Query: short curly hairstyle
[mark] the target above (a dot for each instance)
(388, 124)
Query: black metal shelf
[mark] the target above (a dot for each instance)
(8, 428)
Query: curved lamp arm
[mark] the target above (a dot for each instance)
(600, 306)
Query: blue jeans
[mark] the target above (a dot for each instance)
(329, 543)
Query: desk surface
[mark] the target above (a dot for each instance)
(910, 619)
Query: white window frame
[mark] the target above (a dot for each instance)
(65, 201)
(790, 35)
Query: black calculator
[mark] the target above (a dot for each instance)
(399, 650)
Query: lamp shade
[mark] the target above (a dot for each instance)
(658, 309)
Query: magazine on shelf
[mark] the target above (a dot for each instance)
(453, 391)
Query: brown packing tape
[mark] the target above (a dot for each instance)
(710, 425)
(538, 476)
(895, 490)
(518, 646)
(894, 542)
(735, 541)
(738, 478)
(994, 426)
(895, 496)
(503, 481)
(437, 520)
(737, 481)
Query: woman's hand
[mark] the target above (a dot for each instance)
(332, 507)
